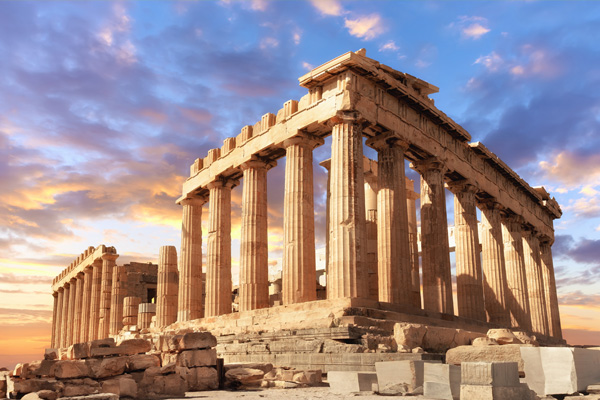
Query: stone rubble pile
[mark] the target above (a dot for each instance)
(264, 375)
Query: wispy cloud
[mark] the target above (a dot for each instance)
(471, 27)
(389, 46)
(365, 27)
(328, 7)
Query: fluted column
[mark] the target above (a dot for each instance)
(71, 311)
(86, 305)
(218, 260)
(394, 262)
(118, 293)
(168, 281)
(58, 332)
(93, 332)
(190, 263)
(413, 238)
(254, 256)
(469, 284)
(371, 222)
(78, 308)
(435, 250)
(535, 283)
(108, 263)
(55, 314)
(517, 295)
(550, 290)
(493, 266)
(299, 278)
(327, 165)
(65, 315)
(347, 275)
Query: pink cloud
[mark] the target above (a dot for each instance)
(365, 27)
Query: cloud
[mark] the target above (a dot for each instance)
(473, 27)
(365, 27)
(11, 278)
(475, 31)
(328, 7)
(493, 62)
(389, 46)
(258, 5)
(269, 43)
(578, 298)
(573, 168)
(307, 66)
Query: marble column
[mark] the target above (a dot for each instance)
(93, 332)
(190, 263)
(78, 308)
(551, 296)
(371, 222)
(535, 283)
(54, 320)
(327, 165)
(517, 295)
(393, 250)
(469, 283)
(254, 268)
(413, 238)
(218, 260)
(435, 250)
(168, 282)
(347, 275)
(86, 305)
(493, 266)
(299, 278)
(108, 263)
(71, 311)
(118, 293)
(65, 315)
(59, 320)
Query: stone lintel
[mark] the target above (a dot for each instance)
(73, 271)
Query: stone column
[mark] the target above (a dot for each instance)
(493, 266)
(78, 308)
(71, 311)
(435, 250)
(168, 282)
(218, 260)
(65, 315)
(86, 305)
(59, 320)
(347, 225)
(517, 294)
(254, 268)
(393, 251)
(469, 284)
(108, 263)
(413, 238)
(299, 277)
(551, 296)
(118, 293)
(93, 332)
(535, 283)
(327, 165)
(54, 320)
(190, 264)
(371, 222)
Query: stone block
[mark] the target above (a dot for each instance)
(560, 370)
(197, 358)
(484, 341)
(202, 378)
(134, 346)
(168, 343)
(97, 396)
(108, 342)
(351, 381)
(99, 352)
(168, 358)
(23, 386)
(124, 386)
(138, 362)
(81, 387)
(441, 381)
(507, 352)
(503, 336)
(78, 351)
(51, 354)
(44, 368)
(483, 392)
(197, 340)
(504, 374)
(265, 367)
(66, 369)
(107, 367)
(241, 377)
(397, 377)
(41, 395)
(409, 335)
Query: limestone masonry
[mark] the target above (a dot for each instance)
(388, 283)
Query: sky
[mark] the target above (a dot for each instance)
(105, 105)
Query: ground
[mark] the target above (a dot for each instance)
(289, 394)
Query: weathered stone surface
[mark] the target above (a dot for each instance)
(138, 362)
(107, 342)
(197, 358)
(197, 340)
(124, 386)
(490, 373)
(202, 378)
(41, 395)
(98, 396)
(503, 336)
(409, 335)
(438, 339)
(593, 389)
(476, 392)
(23, 386)
(50, 354)
(107, 367)
(65, 369)
(265, 367)
(508, 352)
(441, 381)
(81, 387)
(134, 346)
(351, 381)
(399, 377)
(484, 341)
(78, 351)
(525, 338)
(44, 368)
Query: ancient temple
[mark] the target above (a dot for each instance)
(380, 267)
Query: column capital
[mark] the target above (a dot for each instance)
(60, 289)
(223, 182)
(304, 139)
(545, 240)
(387, 140)
(55, 294)
(110, 257)
(256, 162)
(193, 201)
(429, 164)
(490, 204)
(347, 117)
(464, 185)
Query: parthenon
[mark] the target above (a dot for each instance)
(377, 261)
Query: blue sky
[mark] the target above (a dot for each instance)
(104, 105)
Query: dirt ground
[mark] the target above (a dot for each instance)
(290, 394)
